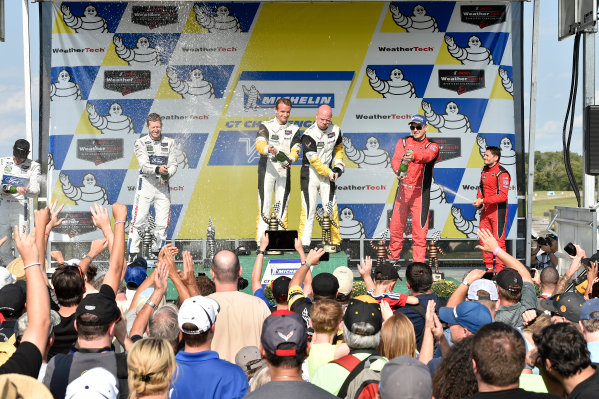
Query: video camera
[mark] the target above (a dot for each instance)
(544, 240)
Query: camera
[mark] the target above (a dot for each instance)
(544, 241)
(242, 284)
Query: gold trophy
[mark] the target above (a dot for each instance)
(382, 251)
(433, 252)
(273, 223)
(324, 219)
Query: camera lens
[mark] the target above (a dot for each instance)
(570, 249)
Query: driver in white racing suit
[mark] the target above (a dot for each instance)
(321, 167)
(274, 136)
(20, 180)
(157, 158)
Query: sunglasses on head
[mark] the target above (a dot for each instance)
(417, 127)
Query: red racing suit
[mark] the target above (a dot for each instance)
(413, 195)
(493, 189)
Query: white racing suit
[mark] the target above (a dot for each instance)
(272, 175)
(150, 190)
(323, 150)
(14, 208)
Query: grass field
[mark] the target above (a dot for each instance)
(543, 202)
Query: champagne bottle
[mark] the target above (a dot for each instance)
(403, 167)
(7, 188)
(281, 157)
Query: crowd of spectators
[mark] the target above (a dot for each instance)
(85, 334)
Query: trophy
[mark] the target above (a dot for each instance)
(324, 219)
(211, 242)
(273, 223)
(382, 251)
(433, 251)
(147, 239)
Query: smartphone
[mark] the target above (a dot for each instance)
(281, 240)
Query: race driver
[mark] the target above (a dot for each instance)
(274, 136)
(20, 180)
(413, 190)
(322, 164)
(157, 158)
(492, 198)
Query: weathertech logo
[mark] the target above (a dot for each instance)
(365, 187)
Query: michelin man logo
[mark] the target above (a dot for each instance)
(475, 54)
(466, 226)
(251, 97)
(195, 87)
(88, 193)
(437, 194)
(89, 22)
(250, 149)
(418, 22)
(350, 227)
(51, 162)
(115, 122)
(141, 55)
(182, 158)
(395, 86)
(369, 158)
(506, 82)
(451, 122)
(508, 155)
(64, 88)
(221, 22)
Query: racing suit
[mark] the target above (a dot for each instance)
(14, 208)
(272, 174)
(493, 189)
(152, 188)
(323, 150)
(413, 195)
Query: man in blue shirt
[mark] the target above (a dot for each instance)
(202, 374)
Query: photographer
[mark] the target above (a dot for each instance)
(549, 247)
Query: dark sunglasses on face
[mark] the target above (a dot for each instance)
(417, 127)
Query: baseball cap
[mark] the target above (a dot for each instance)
(363, 309)
(418, 119)
(22, 386)
(509, 279)
(249, 358)
(483, 285)
(345, 278)
(325, 284)
(405, 377)
(589, 307)
(23, 322)
(281, 327)
(200, 311)
(136, 273)
(470, 315)
(568, 305)
(21, 148)
(386, 271)
(12, 300)
(100, 305)
(6, 277)
(280, 288)
(96, 383)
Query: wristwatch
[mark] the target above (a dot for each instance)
(259, 252)
(152, 304)
(466, 283)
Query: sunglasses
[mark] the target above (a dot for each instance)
(416, 127)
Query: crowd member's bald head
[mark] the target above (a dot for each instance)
(225, 267)
(549, 276)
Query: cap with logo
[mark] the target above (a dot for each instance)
(284, 327)
(470, 315)
(418, 119)
(199, 311)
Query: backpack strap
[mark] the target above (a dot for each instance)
(60, 376)
(122, 374)
(420, 309)
(348, 362)
(352, 374)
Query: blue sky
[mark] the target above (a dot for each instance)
(553, 79)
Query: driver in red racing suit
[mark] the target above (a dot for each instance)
(492, 198)
(413, 190)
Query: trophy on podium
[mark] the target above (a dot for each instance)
(433, 251)
(382, 251)
(324, 219)
(211, 243)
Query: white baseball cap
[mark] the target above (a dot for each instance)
(95, 383)
(200, 311)
(482, 285)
